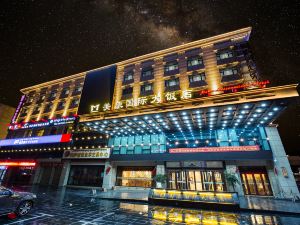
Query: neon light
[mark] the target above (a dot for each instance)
(14, 118)
(249, 148)
(51, 122)
(261, 84)
(17, 163)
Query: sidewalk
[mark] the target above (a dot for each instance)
(258, 204)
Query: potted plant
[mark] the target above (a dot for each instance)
(231, 179)
(160, 180)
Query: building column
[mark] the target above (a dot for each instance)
(233, 169)
(37, 174)
(64, 174)
(284, 175)
(212, 73)
(160, 170)
(109, 178)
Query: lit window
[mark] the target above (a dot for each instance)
(61, 105)
(65, 91)
(172, 82)
(128, 76)
(146, 87)
(224, 55)
(78, 89)
(197, 77)
(147, 72)
(53, 94)
(75, 102)
(171, 66)
(194, 61)
(229, 71)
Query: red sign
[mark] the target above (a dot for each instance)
(261, 84)
(249, 148)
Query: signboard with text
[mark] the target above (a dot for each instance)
(36, 140)
(100, 153)
(51, 122)
(248, 148)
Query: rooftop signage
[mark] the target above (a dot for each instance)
(51, 122)
(171, 97)
(248, 148)
(36, 140)
(100, 153)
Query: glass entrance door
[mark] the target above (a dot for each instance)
(256, 182)
(199, 180)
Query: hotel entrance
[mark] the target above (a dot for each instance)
(255, 181)
(135, 176)
(199, 180)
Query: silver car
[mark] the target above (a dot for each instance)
(19, 203)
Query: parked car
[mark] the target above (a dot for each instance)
(16, 202)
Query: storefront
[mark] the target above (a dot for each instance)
(17, 172)
(86, 175)
(85, 168)
(255, 181)
(135, 176)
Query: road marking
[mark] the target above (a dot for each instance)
(31, 218)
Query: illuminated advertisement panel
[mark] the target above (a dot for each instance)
(51, 122)
(216, 149)
(36, 140)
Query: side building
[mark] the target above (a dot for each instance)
(194, 113)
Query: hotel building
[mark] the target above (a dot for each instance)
(195, 113)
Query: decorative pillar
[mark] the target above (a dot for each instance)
(109, 178)
(233, 169)
(284, 176)
(212, 73)
(63, 181)
(159, 86)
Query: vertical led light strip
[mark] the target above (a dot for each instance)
(15, 116)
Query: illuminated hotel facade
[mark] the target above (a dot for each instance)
(194, 113)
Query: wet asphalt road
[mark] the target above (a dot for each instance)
(71, 206)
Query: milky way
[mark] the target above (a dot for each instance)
(44, 40)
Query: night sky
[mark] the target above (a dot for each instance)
(44, 40)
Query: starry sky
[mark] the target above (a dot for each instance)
(42, 40)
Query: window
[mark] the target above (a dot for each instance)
(40, 132)
(61, 105)
(48, 107)
(194, 61)
(74, 102)
(171, 66)
(172, 82)
(53, 95)
(224, 55)
(128, 76)
(146, 87)
(228, 71)
(127, 91)
(65, 92)
(37, 109)
(147, 72)
(197, 77)
(78, 89)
